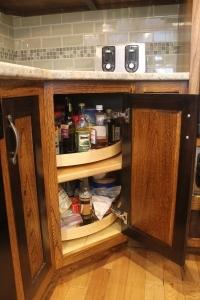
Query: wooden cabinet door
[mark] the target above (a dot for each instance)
(24, 155)
(8, 288)
(158, 160)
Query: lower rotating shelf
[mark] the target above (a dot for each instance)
(82, 231)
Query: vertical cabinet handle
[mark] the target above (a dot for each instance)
(17, 140)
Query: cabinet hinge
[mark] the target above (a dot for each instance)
(120, 214)
(125, 115)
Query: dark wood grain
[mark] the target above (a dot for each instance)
(155, 158)
(8, 287)
(187, 106)
(194, 229)
(29, 194)
(27, 189)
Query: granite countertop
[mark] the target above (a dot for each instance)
(14, 71)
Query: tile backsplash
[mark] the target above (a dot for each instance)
(68, 41)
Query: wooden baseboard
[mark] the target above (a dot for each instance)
(193, 243)
(195, 203)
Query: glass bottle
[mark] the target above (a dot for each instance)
(110, 126)
(67, 129)
(100, 127)
(85, 198)
(82, 131)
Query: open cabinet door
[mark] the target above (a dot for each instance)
(158, 159)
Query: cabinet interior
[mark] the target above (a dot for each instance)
(112, 164)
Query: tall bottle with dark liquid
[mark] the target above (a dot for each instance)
(67, 130)
(110, 126)
(85, 198)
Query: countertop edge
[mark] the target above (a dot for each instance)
(14, 71)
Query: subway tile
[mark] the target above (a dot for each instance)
(182, 68)
(4, 29)
(72, 17)
(73, 40)
(43, 64)
(163, 69)
(124, 25)
(166, 10)
(18, 45)
(21, 33)
(117, 38)
(159, 36)
(170, 59)
(93, 15)
(40, 31)
(31, 21)
(83, 27)
(116, 13)
(84, 63)
(94, 39)
(155, 23)
(7, 19)
(25, 63)
(51, 19)
(184, 35)
(54, 42)
(62, 29)
(142, 11)
(63, 64)
(183, 59)
(141, 37)
(106, 26)
(9, 43)
(31, 43)
(11, 32)
(17, 22)
(1, 41)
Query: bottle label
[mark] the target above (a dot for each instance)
(93, 136)
(86, 209)
(64, 128)
(101, 132)
(100, 119)
(83, 141)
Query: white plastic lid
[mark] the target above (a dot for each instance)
(99, 107)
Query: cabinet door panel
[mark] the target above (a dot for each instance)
(156, 155)
(27, 184)
(159, 148)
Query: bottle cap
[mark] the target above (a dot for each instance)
(99, 107)
(81, 104)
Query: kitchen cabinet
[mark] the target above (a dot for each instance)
(26, 199)
(159, 130)
(158, 148)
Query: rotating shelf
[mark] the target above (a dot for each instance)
(83, 231)
(80, 158)
(82, 171)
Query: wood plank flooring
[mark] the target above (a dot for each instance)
(131, 273)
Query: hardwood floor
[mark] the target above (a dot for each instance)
(131, 273)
